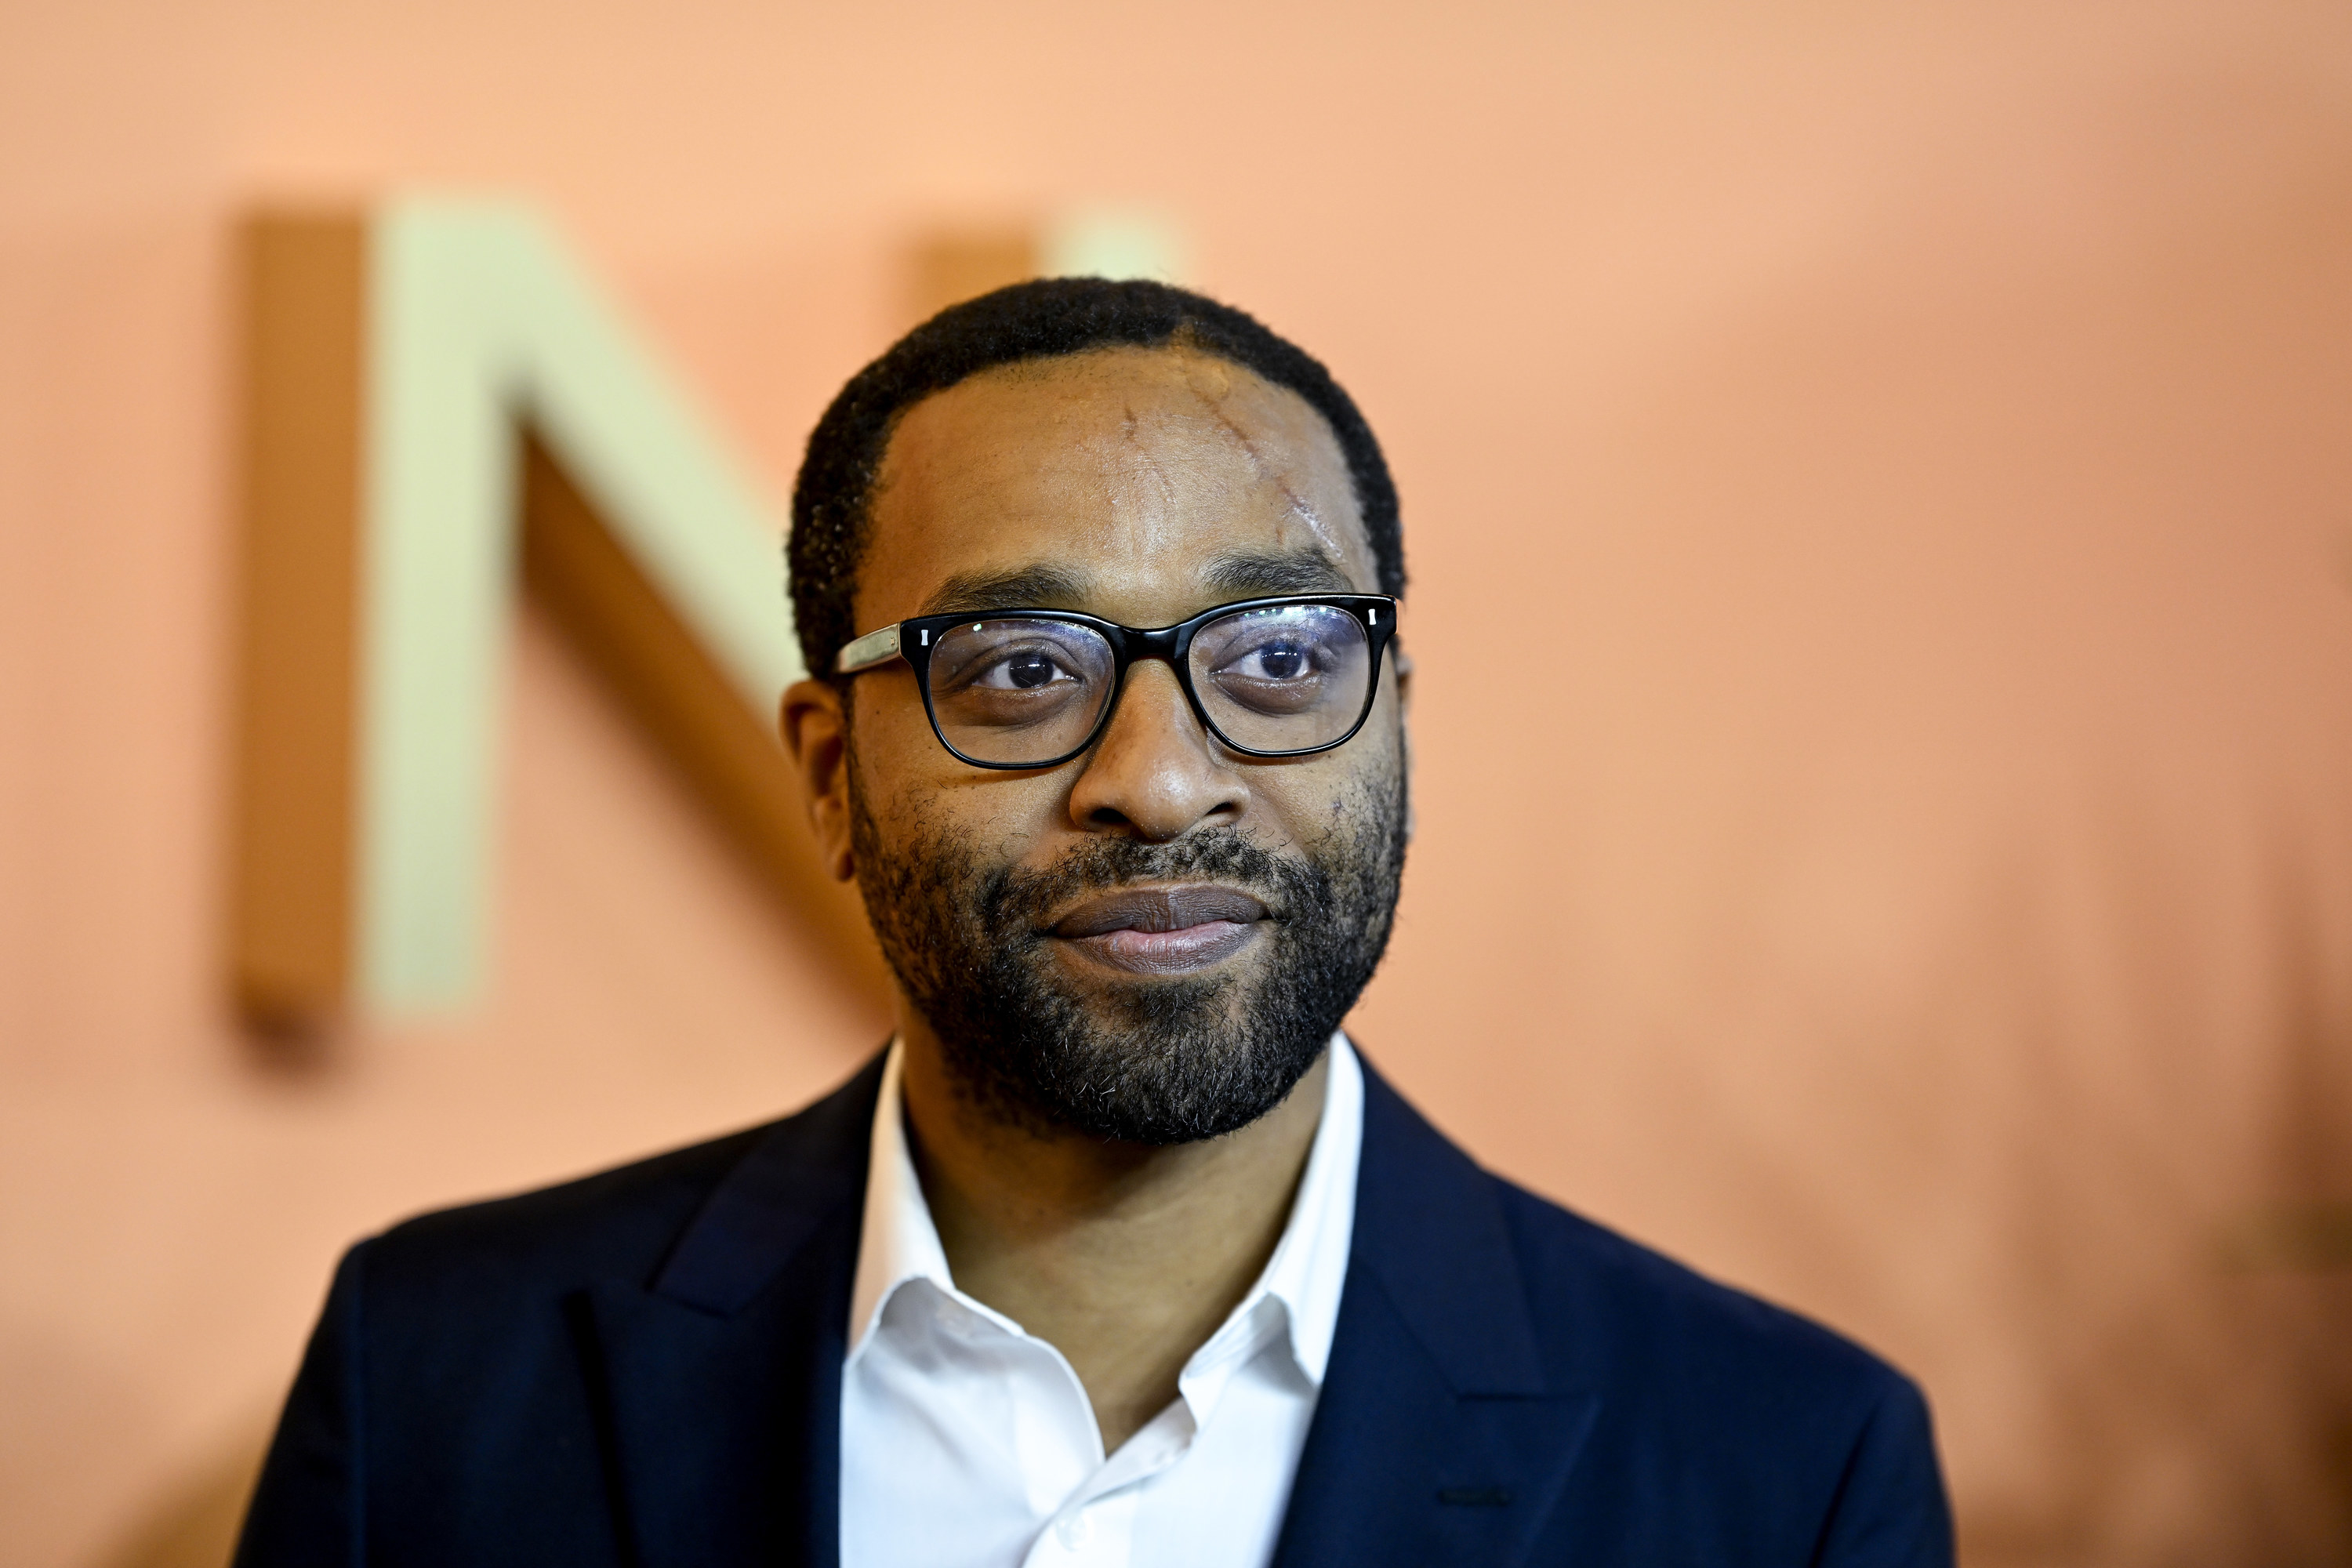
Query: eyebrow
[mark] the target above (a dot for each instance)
(1026, 588)
(1046, 587)
(1263, 575)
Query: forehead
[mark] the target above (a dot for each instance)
(1133, 479)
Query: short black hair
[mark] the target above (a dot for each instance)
(1040, 320)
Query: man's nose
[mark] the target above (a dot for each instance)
(1155, 772)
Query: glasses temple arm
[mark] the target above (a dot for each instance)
(874, 649)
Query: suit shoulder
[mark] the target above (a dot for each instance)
(1620, 1310)
(621, 1220)
(621, 1223)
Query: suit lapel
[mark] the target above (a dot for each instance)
(1439, 1438)
(722, 1379)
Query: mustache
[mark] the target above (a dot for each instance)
(1020, 901)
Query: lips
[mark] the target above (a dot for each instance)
(1163, 930)
(1159, 908)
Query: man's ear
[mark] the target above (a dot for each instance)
(1403, 662)
(816, 737)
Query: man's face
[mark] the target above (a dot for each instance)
(1153, 941)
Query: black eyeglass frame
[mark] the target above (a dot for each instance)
(917, 640)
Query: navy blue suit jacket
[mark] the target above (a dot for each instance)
(642, 1370)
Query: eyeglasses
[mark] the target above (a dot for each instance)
(1032, 688)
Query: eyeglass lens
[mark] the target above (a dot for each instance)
(1285, 677)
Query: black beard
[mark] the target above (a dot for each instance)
(1157, 1061)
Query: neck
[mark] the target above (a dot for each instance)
(1124, 1256)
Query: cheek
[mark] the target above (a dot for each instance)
(931, 799)
(887, 724)
(1329, 798)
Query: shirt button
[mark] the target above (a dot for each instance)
(1072, 1531)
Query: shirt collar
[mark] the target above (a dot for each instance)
(897, 1242)
(900, 1243)
(1311, 1261)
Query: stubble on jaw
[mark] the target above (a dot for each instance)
(1158, 1061)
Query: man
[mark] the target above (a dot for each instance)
(1119, 1254)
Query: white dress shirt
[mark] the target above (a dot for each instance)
(968, 1443)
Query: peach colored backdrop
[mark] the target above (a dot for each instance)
(1911, 876)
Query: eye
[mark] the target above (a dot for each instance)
(1279, 659)
(1025, 670)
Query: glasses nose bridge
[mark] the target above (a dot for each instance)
(1163, 644)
